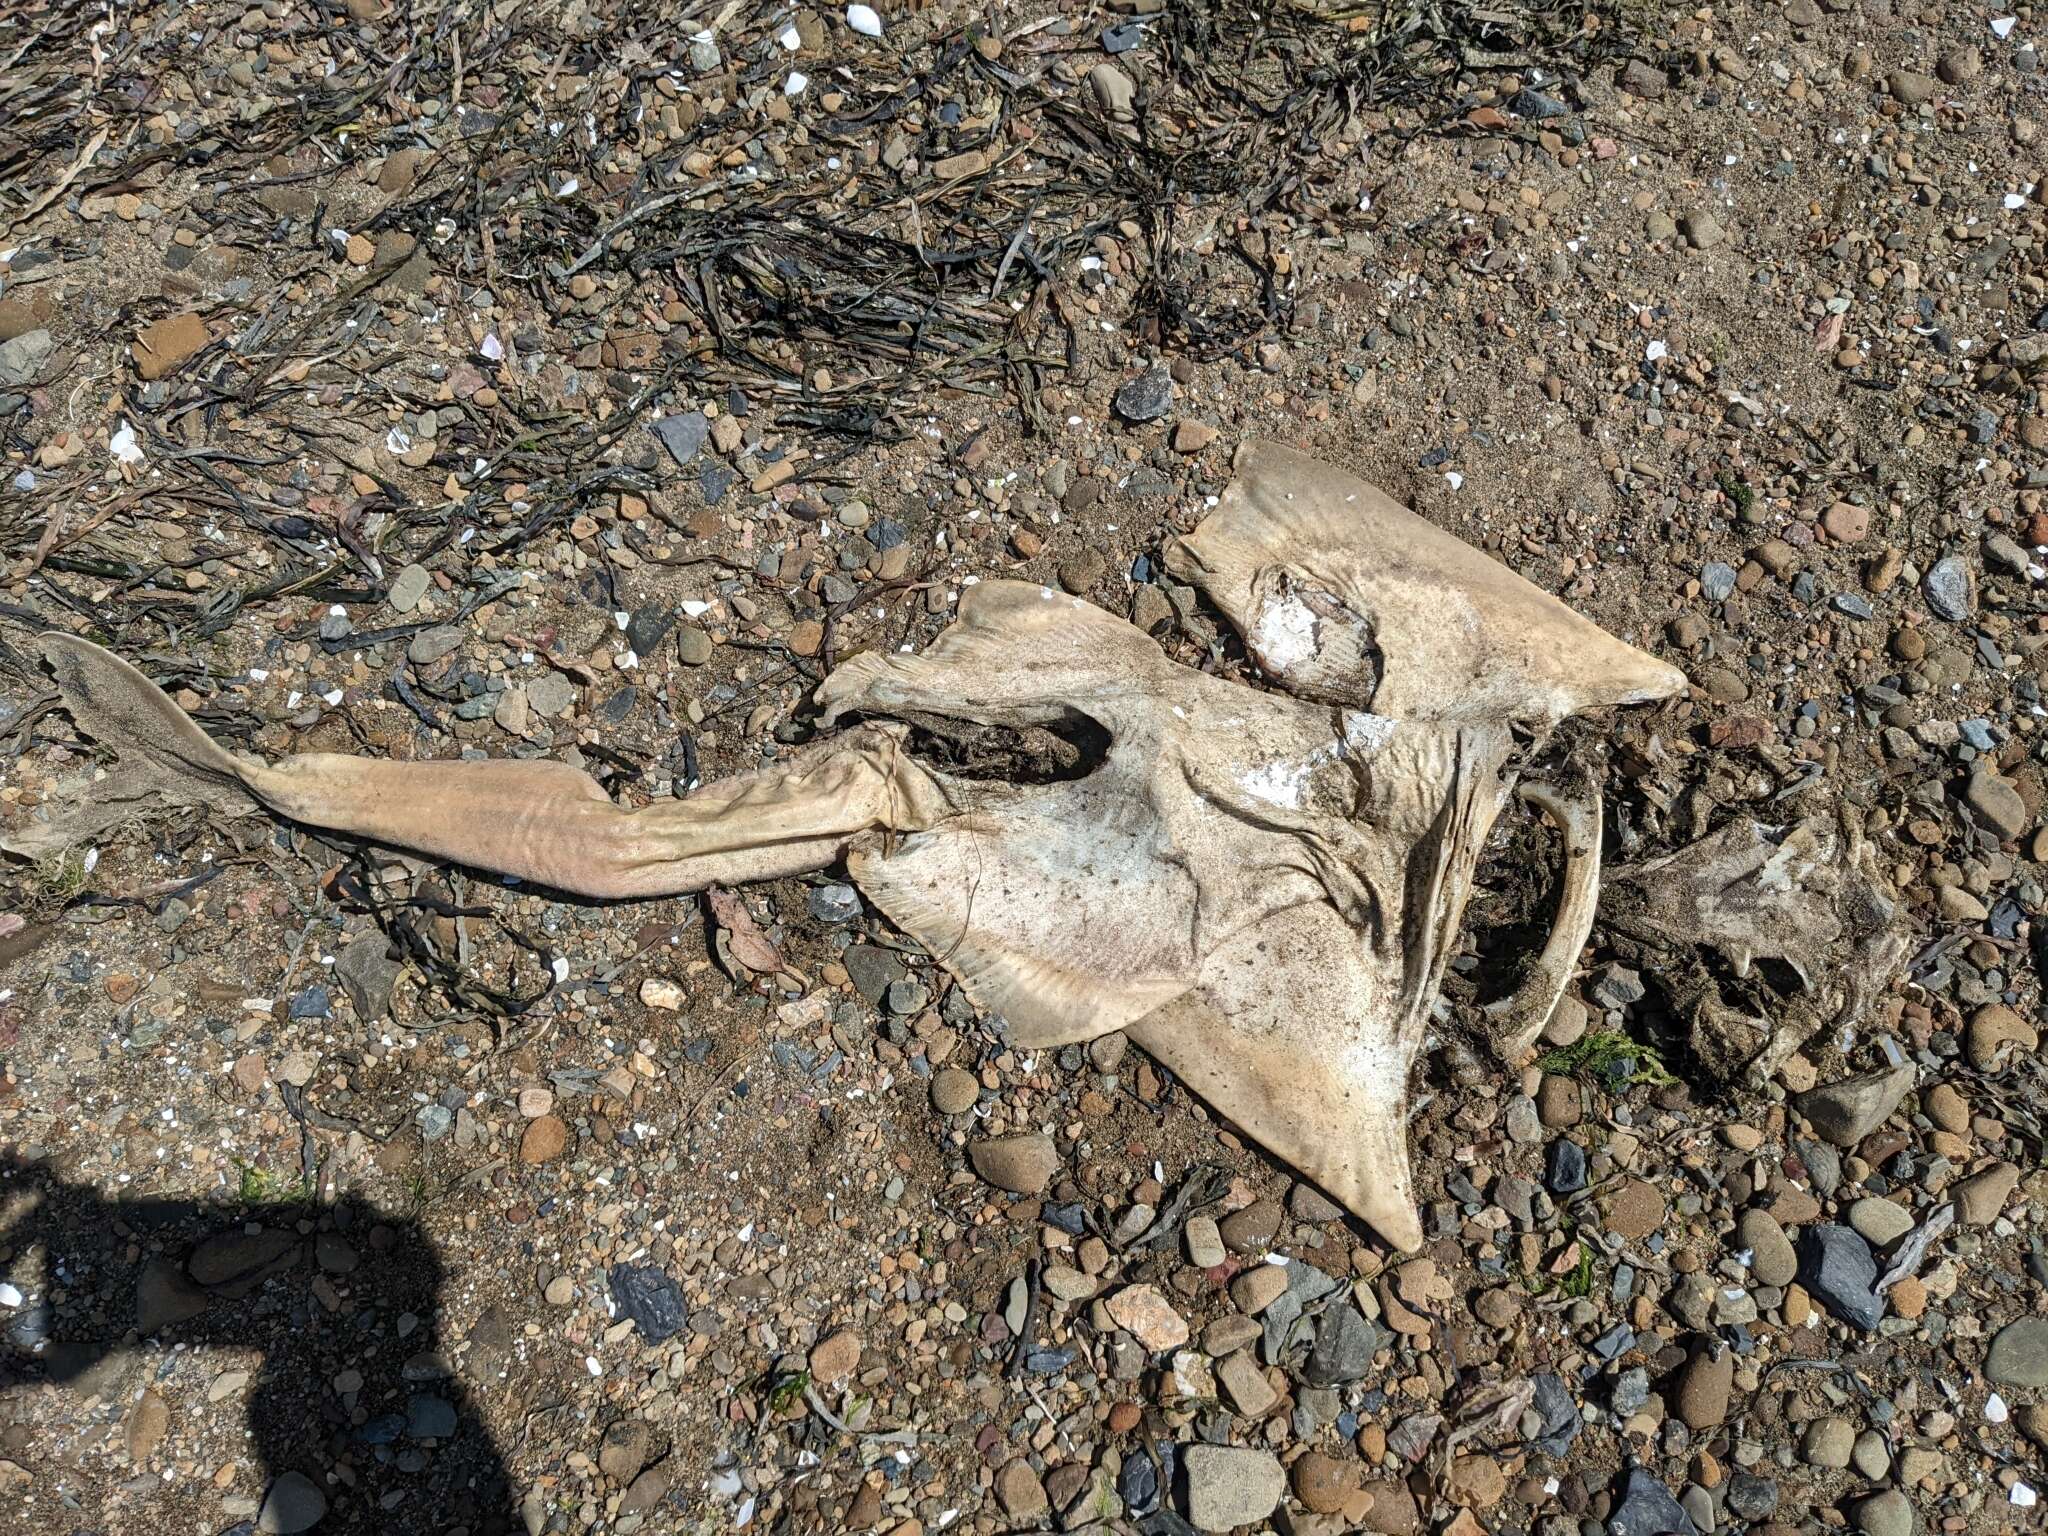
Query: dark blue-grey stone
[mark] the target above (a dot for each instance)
(1137, 1484)
(313, 1003)
(646, 627)
(1646, 1508)
(1344, 1347)
(1528, 103)
(650, 1298)
(1147, 397)
(1837, 1267)
(1559, 1415)
(1615, 1342)
(1751, 1497)
(429, 1418)
(1564, 1167)
(1947, 586)
(683, 435)
(713, 481)
(382, 1430)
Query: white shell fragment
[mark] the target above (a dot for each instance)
(862, 19)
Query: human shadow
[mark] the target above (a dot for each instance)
(355, 1405)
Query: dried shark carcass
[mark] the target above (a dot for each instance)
(1763, 935)
(1261, 887)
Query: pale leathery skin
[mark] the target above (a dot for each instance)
(1262, 887)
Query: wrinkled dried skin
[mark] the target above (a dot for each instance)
(1263, 889)
(1749, 892)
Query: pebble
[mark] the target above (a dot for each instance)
(1991, 1029)
(1889, 1513)
(2018, 1356)
(1845, 1112)
(1828, 1442)
(1021, 1492)
(1230, 1486)
(954, 1091)
(1204, 1242)
(544, 1140)
(1871, 1458)
(1951, 592)
(148, 1422)
(293, 1504)
(1772, 1261)
(408, 587)
(1146, 397)
(836, 1358)
(1145, 1314)
(1023, 1165)
(1838, 1269)
(1880, 1222)
(1704, 1386)
(1252, 1229)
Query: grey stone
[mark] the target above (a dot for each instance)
(1884, 1514)
(1023, 1165)
(1717, 581)
(1646, 1508)
(165, 1294)
(1845, 1112)
(293, 1504)
(1771, 1259)
(1230, 1486)
(872, 970)
(1344, 1347)
(1950, 591)
(368, 974)
(1880, 1222)
(1828, 1443)
(1752, 1497)
(2019, 1354)
(231, 1258)
(1113, 91)
(23, 358)
(646, 626)
(429, 1418)
(1997, 804)
(430, 645)
(1837, 1267)
(408, 587)
(683, 435)
(1146, 397)
(550, 694)
(835, 905)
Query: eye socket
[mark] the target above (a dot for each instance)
(1056, 752)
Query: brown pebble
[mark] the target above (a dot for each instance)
(545, 1139)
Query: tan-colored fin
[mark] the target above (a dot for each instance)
(1457, 635)
(1294, 1043)
(533, 819)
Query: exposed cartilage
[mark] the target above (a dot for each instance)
(1520, 1019)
